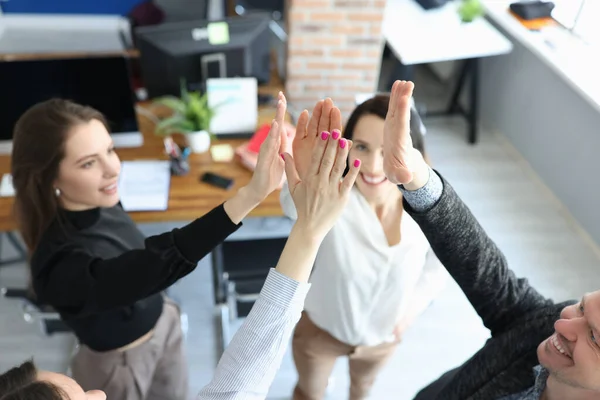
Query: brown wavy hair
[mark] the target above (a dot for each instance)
(38, 148)
(21, 383)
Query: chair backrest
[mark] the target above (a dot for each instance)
(244, 261)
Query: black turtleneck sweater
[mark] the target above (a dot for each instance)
(104, 277)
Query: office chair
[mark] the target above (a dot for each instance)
(34, 311)
(49, 320)
(240, 268)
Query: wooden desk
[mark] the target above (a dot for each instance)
(188, 198)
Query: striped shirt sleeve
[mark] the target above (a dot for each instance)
(250, 362)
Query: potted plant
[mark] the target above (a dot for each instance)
(191, 116)
(468, 10)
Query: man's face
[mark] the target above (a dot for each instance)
(572, 353)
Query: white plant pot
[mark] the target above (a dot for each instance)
(199, 142)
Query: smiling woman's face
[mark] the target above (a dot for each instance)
(88, 174)
(367, 138)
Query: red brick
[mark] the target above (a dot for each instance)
(312, 66)
(326, 16)
(348, 29)
(365, 16)
(296, 15)
(362, 66)
(306, 52)
(347, 53)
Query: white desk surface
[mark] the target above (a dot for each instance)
(36, 33)
(418, 36)
(571, 58)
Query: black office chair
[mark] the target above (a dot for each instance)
(240, 268)
(49, 320)
(34, 311)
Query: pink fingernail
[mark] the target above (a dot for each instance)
(324, 135)
(343, 143)
(282, 157)
(356, 163)
(335, 134)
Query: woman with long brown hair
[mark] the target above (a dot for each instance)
(91, 263)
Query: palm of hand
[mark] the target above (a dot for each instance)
(325, 117)
(269, 172)
(397, 143)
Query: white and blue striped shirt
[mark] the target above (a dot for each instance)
(250, 362)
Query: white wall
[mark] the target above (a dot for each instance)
(550, 124)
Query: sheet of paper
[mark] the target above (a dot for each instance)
(6, 186)
(218, 33)
(236, 102)
(221, 152)
(144, 185)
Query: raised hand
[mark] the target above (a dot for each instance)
(325, 118)
(270, 167)
(321, 194)
(400, 160)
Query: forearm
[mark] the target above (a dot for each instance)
(472, 258)
(241, 204)
(250, 362)
(298, 256)
(423, 193)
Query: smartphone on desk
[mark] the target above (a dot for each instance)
(217, 180)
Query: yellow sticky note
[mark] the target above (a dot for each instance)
(221, 152)
(218, 33)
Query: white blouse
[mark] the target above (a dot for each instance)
(361, 286)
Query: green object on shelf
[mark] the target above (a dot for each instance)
(470, 9)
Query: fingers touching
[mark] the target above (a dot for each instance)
(335, 120)
(313, 124)
(325, 117)
(301, 126)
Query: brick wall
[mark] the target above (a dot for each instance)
(334, 50)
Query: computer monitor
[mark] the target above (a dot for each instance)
(100, 82)
(185, 50)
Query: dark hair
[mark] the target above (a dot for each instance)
(378, 106)
(38, 147)
(21, 383)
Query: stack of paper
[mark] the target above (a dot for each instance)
(144, 185)
(6, 186)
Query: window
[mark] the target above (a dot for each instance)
(579, 16)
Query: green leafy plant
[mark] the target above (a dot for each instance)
(470, 9)
(190, 113)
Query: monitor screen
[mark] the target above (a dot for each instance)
(101, 82)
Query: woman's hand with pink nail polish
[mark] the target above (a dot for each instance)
(325, 118)
(322, 194)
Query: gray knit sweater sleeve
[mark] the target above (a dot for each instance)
(424, 198)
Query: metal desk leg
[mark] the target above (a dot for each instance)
(473, 113)
(469, 72)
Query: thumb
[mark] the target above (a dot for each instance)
(290, 170)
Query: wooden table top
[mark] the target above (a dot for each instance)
(188, 198)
